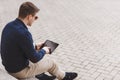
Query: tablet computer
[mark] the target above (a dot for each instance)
(51, 44)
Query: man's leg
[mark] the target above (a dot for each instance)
(44, 65)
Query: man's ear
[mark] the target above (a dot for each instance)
(29, 17)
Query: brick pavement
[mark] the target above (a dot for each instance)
(87, 30)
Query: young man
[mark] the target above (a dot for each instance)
(17, 49)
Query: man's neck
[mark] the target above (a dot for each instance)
(23, 20)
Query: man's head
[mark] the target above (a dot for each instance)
(27, 12)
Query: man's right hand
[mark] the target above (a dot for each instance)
(47, 49)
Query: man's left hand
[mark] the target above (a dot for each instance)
(39, 46)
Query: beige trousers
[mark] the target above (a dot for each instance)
(44, 65)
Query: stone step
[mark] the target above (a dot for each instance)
(5, 76)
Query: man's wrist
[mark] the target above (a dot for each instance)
(46, 50)
(35, 47)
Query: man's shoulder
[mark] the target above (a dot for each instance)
(15, 27)
(9, 23)
(8, 27)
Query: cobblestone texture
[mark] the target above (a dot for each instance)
(87, 31)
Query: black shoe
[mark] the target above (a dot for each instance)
(44, 76)
(70, 76)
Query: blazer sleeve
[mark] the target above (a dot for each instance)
(26, 44)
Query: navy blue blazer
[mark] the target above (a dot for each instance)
(17, 47)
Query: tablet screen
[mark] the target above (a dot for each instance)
(51, 44)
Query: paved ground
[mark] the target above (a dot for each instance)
(87, 31)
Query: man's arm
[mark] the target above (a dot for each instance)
(26, 45)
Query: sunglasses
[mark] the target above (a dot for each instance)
(36, 17)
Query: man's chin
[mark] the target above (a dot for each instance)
(30, 25)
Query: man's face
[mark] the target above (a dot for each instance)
(31, 19)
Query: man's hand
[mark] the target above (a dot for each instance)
(47, 49)
(39, 46)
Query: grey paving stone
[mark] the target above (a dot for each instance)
(87, 31)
